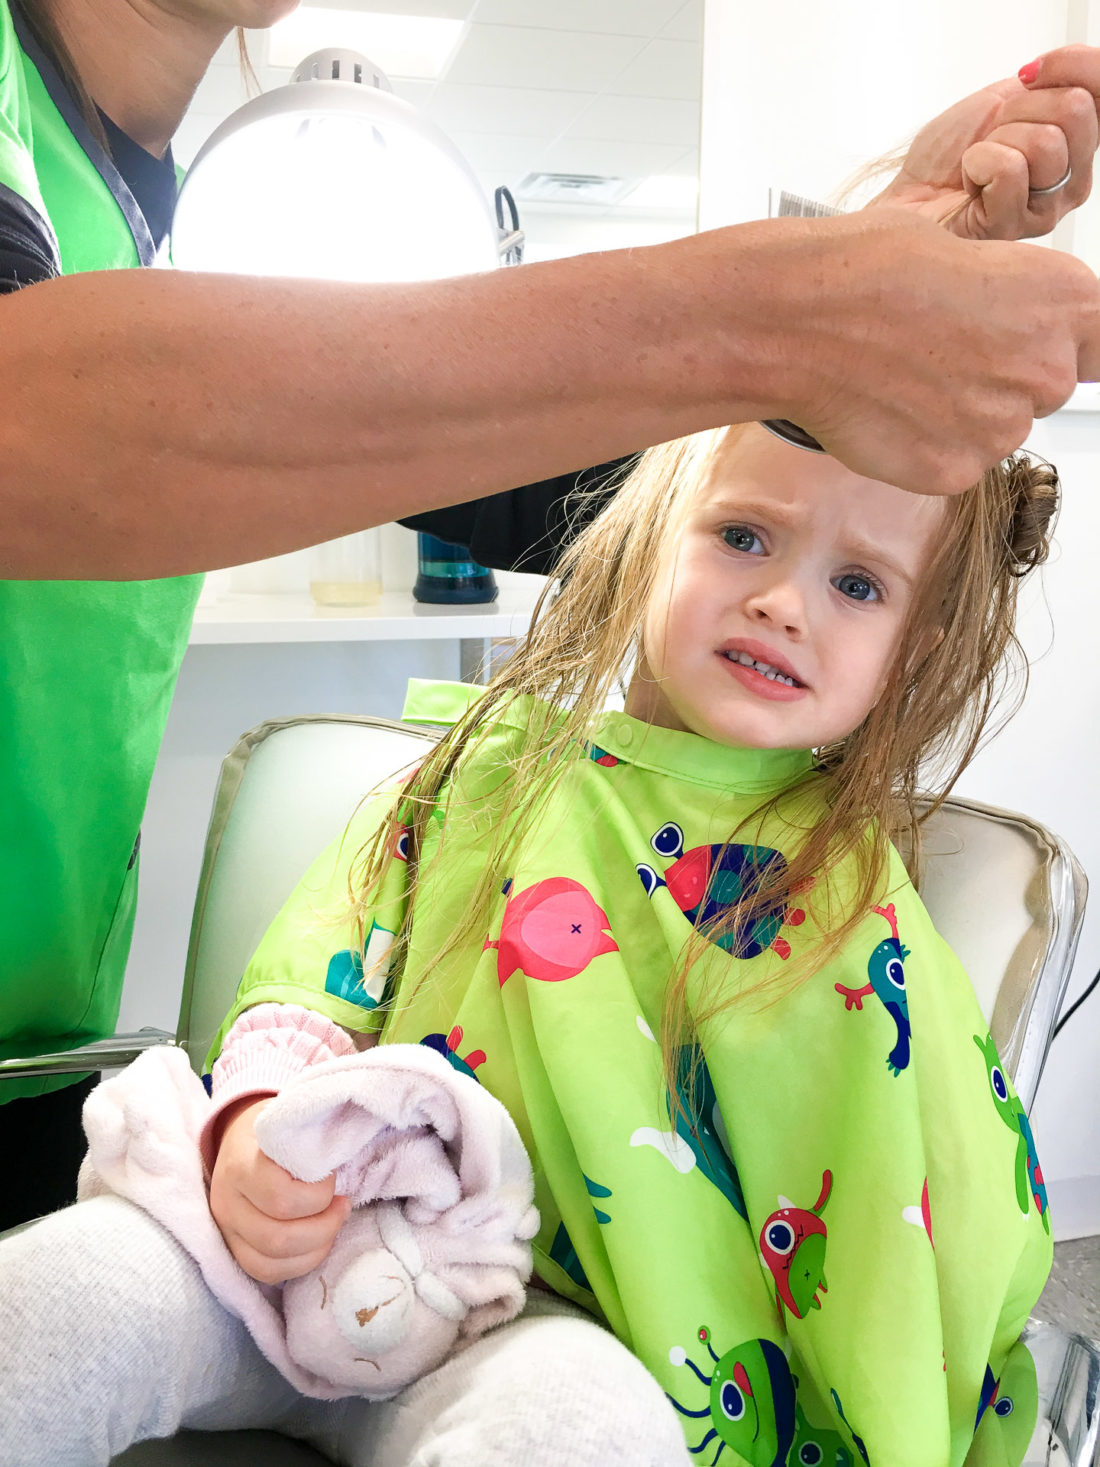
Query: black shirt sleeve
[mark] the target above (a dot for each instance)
(526, 529)
(28, 251)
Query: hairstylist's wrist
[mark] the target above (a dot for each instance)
(730, 311)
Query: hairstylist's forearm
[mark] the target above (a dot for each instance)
(157, 423)
(160, 423)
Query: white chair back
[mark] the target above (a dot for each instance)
(1009, 897)
(287, 789)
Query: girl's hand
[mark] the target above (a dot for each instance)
(275, 1226)
(973, 169)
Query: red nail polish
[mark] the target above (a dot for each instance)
(1028, 73)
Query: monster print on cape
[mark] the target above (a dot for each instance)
(816, 1446)
(707, 881)
(550, 931)
(447, 1046)
(751, 1401)
(886, 980)
(1030, 1186)
(699, 1123)
(792, 1245)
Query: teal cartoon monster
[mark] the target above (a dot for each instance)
(1029, 1174)
(792, 1243)
(565, 1255)
(699, 1123)
(751, 1407)
(562, 1249)
(886, 980)
(347, 978)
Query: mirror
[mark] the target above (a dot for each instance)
(588, 110)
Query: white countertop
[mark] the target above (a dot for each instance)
(240, 618)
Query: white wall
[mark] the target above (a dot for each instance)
(798, 95)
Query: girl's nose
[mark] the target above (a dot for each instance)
(780, 604)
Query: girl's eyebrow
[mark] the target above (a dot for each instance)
(788, 519)
(738, 508)
(865, 550)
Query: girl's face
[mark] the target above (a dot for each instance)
(777, 619)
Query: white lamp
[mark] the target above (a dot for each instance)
(332, 176)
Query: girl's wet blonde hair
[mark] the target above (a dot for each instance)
(957, 657)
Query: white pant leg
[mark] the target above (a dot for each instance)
(551, 1389)
(108, 1335)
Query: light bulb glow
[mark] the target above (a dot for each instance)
(344, 194)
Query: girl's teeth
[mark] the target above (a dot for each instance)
(765, 669)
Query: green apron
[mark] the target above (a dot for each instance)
(87, 669)
(833, 1258)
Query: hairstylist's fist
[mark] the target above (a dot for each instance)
(976, 167)
(922, 359)
(275, 1226)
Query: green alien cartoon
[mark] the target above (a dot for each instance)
(816, 1446)
(751, 1406)
(1030, 1186)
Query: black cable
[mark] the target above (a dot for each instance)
(1064, 1020)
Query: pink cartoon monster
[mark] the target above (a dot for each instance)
(551, 931)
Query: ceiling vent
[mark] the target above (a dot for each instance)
(571, 188)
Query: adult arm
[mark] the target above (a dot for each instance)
(156, 423)
(974, 169)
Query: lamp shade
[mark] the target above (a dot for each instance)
(333, 177)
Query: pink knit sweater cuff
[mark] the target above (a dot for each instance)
(266, 1047)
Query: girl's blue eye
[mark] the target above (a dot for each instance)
(740, 537)
(857, 588)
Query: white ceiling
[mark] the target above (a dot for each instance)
(608, 87)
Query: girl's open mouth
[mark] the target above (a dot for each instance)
(762, 678)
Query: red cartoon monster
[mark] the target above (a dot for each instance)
(792, 1243)
(551, 931)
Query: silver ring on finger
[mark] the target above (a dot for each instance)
(1038, 193)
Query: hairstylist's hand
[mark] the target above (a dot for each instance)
(275, 1226)
(919, 358)
(974, 168)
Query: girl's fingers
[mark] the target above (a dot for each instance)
(275, 1192)
(267, 1270)
(273, 1250)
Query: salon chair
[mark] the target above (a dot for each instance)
(1005, 893)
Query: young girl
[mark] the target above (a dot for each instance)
(762, 1105)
